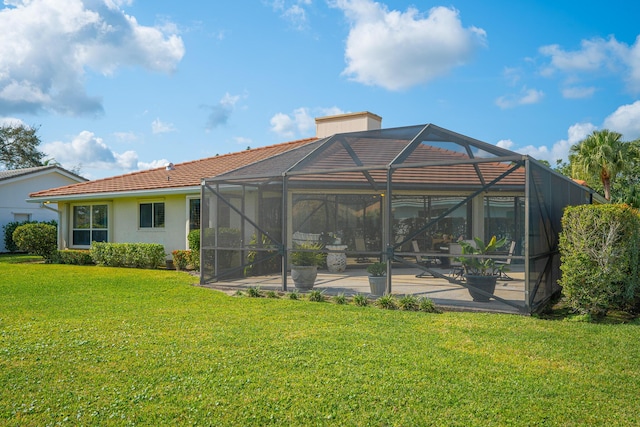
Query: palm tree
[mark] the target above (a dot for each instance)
(601, 154)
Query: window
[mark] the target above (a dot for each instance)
(90, 224)
(21, 217)
(194, 214)
(152, 215)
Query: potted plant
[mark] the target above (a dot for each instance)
(481, 273)
(377, 277)
(304, 264)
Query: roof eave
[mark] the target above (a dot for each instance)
(195, 189)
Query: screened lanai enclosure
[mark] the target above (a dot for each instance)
(403, 196)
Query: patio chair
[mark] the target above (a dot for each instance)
(456, 271)
(506, 262)
(420, 260)
(361, 247)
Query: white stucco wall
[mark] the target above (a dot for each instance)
(13, 195)
(124, 222)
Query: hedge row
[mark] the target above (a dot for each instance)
(74, 257)
(600, 258)
(137, 255)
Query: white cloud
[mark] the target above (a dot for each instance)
(89, 151)
(301, 122)
(219, 114)
(512, 75)
(558, 151)
(525, 97)
(595, 57)
(397, 50)
(578, 92)
(125, 136)
(47, 46)
(507, 144)
(153, 164)
(591, 57)
(11, 121)
(159, 127)
(626, 120)
(294, 12)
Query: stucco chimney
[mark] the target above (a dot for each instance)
(350, 122)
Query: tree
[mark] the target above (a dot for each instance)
(19, 147)
(602, 155)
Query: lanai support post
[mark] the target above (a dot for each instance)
(387, 238)
(284, 239)
(528, 303)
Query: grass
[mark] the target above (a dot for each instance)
(107, 346)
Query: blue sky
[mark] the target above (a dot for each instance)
(122, 85)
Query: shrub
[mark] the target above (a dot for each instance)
(181, 259)
(316, 295)
(377, 269)
(360, 300)
(599, 254)
(271, 294)
(74, 257)
(295, 295)
(10, 227)
(340, 298)
(307, 254)
(262, 262)
(194, 245)
(38, 239)
(427, 305)
(387, 302)
(138, 255)
(194, 240)
(408, 302)
(254, 292)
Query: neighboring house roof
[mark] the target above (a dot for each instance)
(182, 175)
(6, 175)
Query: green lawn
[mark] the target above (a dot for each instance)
(107, 346)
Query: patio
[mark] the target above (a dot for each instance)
(354, 280)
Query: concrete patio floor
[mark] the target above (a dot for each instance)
(354, 280)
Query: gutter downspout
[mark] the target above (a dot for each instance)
(45, 205)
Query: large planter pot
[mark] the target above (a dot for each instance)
(378, 285)
(336, 261)
(484, 283)
(304, 276)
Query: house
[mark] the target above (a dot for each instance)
(153, 206)
(378, 192)
(160, 205)
(15, 186)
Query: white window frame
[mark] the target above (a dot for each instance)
(153, 224)
(91, 228)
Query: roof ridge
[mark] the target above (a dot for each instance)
(235, 153)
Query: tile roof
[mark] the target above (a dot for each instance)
(14, 173)
(187, 174)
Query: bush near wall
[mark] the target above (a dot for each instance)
(38, 239)
(181, 259)
(599, 254)
(194, 245)
(10, 227)
(74, 257)
(137, 255)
